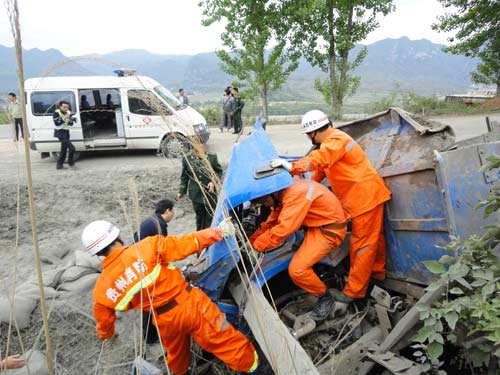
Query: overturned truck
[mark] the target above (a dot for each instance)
(435, 185)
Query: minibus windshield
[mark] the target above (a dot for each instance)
(169, 97)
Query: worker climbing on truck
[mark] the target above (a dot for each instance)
(361, 191)
(141, 276)
(311, 205)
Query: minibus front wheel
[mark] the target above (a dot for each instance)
(172, 145)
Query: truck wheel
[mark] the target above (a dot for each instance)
(172, 145)
(76, 155)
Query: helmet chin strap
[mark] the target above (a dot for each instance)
(313, 138)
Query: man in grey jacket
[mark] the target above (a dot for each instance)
(182, 97)
(226, 121)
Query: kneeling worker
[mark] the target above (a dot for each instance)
(309, 204)
(141, 277)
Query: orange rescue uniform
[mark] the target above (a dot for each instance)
(362, 193)
(309, 204)
(141, 276)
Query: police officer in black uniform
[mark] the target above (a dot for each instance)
(63, 120)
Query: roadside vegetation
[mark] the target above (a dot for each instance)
(430, 105)
(4, 118)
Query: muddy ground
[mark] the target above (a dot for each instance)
(101, 188)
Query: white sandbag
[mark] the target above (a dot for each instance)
(32, 291)
(75, 273)
(84, 284)
(23, 307)
(52, 277)
(37, 364)
(53, 254)
(84, 259)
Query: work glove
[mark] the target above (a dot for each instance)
(276, 163)
(227, 228)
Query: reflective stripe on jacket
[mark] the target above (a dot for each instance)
(305, 203)
(346, 166)
(141, 276)
(60, 123)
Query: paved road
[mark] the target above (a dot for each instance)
(289, 140)
(467, 126)
(5, 132)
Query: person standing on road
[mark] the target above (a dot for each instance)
(199, 169)
(311, 205)
(236, 108)
(154, 225)
(142, 276)
(226, 111)
(182, 97)
(361, 191)
(63, 120)
(16, 115)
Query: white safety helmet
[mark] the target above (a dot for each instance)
(313, 120)
(99, 234)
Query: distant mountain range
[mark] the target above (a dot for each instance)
(391, 64)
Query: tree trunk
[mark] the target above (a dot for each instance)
(332, 58)
(263, 103)
(497, 93)
(345, 63)
(342, 80)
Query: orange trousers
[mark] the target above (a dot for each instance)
(366, 251)
(198, 317)
(315, 247)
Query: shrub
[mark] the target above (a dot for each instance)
(212, 115)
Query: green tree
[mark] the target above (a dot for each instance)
(477, 26)
(257, 39)
(327, 31)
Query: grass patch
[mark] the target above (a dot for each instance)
(4, 118)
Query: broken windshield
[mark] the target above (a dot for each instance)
(169, 97)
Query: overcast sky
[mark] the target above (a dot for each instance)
(77, 27)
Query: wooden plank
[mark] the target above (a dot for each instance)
(283, 352)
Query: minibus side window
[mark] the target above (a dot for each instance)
(87, 101)
(44, 103)
(110, 98)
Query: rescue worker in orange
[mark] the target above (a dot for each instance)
(361, 191)
(141, 276)
(304, 204)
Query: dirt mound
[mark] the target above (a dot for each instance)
(493, 103)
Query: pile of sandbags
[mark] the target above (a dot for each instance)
(77, 276)
(18, 309)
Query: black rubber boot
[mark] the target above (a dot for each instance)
(323, 307)
(342, 297)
